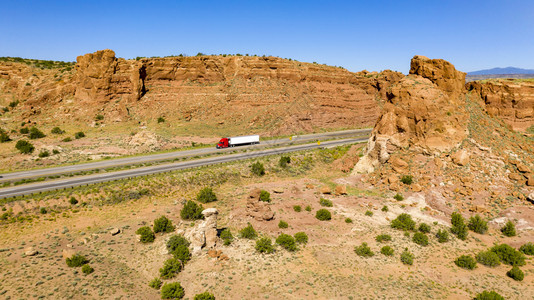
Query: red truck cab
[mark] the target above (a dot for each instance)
(223, 143)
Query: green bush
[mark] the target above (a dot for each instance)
(325, 202)
(57, 130)
(283, 224)
(44, 153)
(424, 228)
(398, 197)
(78, 135)
(301, 237)
(404, 222)
(182, 253)
(191, 211)
(265, 196)
(87, 269)
(485, 295)
(161, 119)
(420, 239)
(155, 283)
(43, 210)
(488, 258)
(204, 296)
(248, 232)
(4, 137)
(516, 274)
(24, 130)
(284, 161)
(147, 235)
(466, 262)
(369, 213)
(442, 235)
(206, 195)
(509, 229)
(323, 215)
(55, 151)
(257, 168)
(364, 250)
(509, 255)
(297, 208)
(383, 238)
(348, 220)
(36, 133)
(226, 236)
(407, 179)
(264, 245)
(67, 139)
(73, 201)
(407, 257)
(162, 224)
(24, 147)
(286, 241)
(387, 251)
(385, 208)
(76, 260)
(527, 248)
(176, 241)
(477, 224)
(308, 208)
(172, 290)
(171, 267)
(458, 226)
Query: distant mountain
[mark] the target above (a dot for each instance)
(508, 70)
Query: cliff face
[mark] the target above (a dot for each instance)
(510, 100)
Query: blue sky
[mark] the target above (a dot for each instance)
(372, 35)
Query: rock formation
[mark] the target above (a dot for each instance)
(205, 234)
(258, 209)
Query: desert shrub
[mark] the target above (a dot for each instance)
(226, 236)
(147, 235)
(308, 208)
(466, 262)
(420, 239)
(387, 251)
(398, 197)
(297, 208)
(162, 224)
(206, 195)
(527, 248)
(176, 241)
(265, 196)
(76, 260)
(407, 257)
(364, 250)
(325, 202)
(385, 208)
(284, 161)
(43, 210)
(509, 229)
(36, 133)
(407, 179)
(67, 139)
(44, 153)
(383, 238)
(172, 290)
(57, 130)
(73, 201)
(488, 258)
(257, 169)
(191, 211)
(204, 296)
(264, 245)
(404, 222)
(161, 119)
(369, 213)
(516, 274)
(24, 130)
(458, 226)
(155, 283)
(24, 147)
(182, 253)
(424, 228)
(477, 224)
(248, 232)
(87, 269)
(171, 267)
(348, 220)
(283, 224)
(509, 255)
(286, 241)
(492, 295)
(442, 235)
(79, 135)
(323, 215)
(55, 151)
(301, 237)
(4, 137)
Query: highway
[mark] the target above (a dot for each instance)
(44, 186)
(152, 158)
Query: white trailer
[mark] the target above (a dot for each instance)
(240, 140)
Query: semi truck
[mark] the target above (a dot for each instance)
(238, 141)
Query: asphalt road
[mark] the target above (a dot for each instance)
(136, 160)
(97, 178)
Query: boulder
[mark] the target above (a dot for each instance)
(114, 231)
(205, 234)
(68, 253)
(522, 168)
(325, 189)
(530, 179)
(258, 209)
(399, 165)
(461, 158)
(30, 251)
(341, 190)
